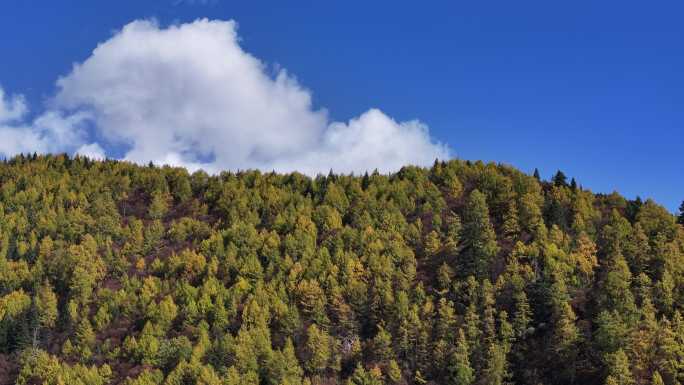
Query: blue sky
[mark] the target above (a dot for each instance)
(595, 89)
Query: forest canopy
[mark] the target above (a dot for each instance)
(464, 273)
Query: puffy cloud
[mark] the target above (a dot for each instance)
(190, 95)
(190, 92)
(50, 132)
(11, 108)
(20, 139)
(373, 140)
(15, 136)
(92, 151)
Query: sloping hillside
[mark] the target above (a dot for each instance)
(464, 273)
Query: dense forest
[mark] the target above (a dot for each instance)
(462, 273)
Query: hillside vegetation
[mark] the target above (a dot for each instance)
(463, 273)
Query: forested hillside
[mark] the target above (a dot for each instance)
(464, 273)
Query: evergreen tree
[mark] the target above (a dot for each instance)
(511, 227)
(496, 365)
(460, 371)
(536, 174)
(657, 379)
(46, 306)
(479, 239)
(318, 349)
(523, 314)
(560, 180)
(618, 369)
(382, 346)
(617, 287)
(361, 376)
(453, 234)
(393, 372)
(444, 277)
(432, 244)
(158, 205)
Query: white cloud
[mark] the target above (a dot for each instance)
(92, 151)
(190, 95)
(373, 140)
(50, 132)
(11, 108)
